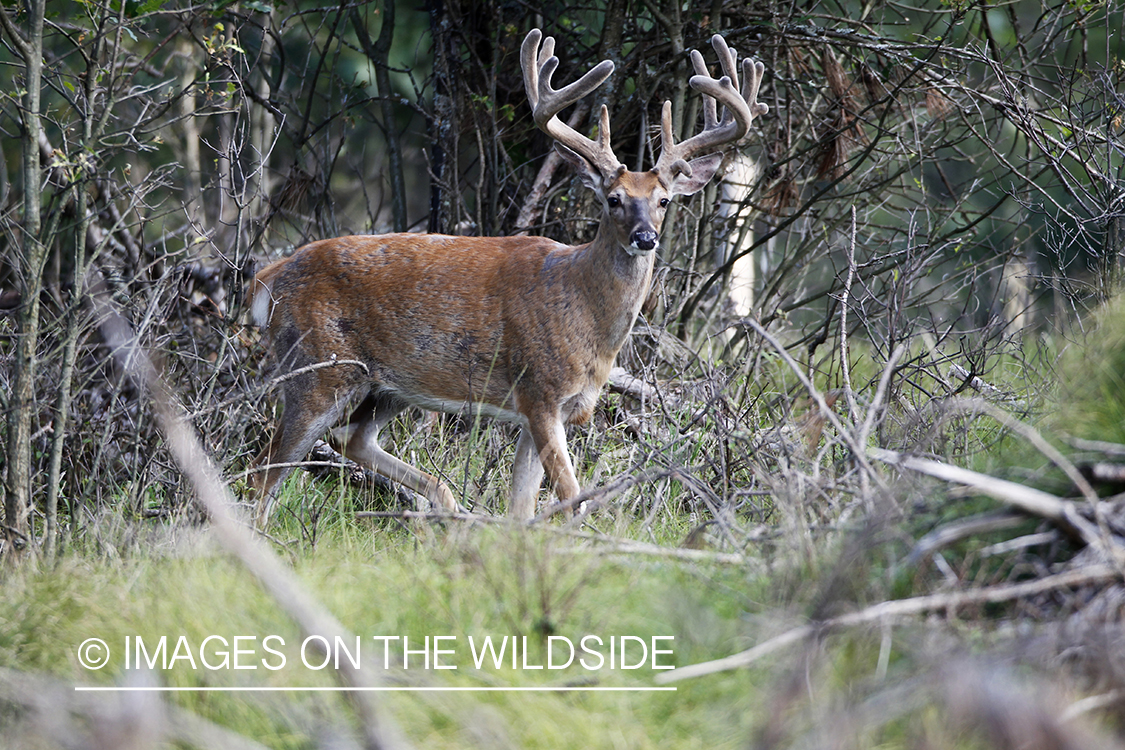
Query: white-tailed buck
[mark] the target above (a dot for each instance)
(521, 328)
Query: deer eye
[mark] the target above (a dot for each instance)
(613, 201)
(664, 202)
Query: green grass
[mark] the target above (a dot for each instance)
(1092, 379)
(492, 582)
(380, 580)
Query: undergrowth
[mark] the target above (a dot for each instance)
(490, 582)
(496, 582)
(727, 510)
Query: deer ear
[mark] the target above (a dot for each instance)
(591, 176)
(697, 175)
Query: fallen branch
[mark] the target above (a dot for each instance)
(1106, 472)
(1021, 542)
(593, 497)
(963, 528)
(1097, 446)
(607, 545)
(622, 381)
(957, 372)
(1090, 574)
(1092, 703)
(620, 546)
(1034, 437)
(435, 515)
(1028, 499)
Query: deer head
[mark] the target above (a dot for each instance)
(634, 203)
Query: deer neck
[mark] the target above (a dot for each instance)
(615, 282)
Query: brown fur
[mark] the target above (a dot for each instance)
(523, 326)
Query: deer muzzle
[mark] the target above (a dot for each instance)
(643, 240)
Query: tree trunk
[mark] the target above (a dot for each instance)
(190, 124)
(443, 123)
(17, 484)
(379, 54)
(1115, 254)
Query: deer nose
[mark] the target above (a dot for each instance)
(644, 239)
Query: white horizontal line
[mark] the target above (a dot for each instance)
(586, 689)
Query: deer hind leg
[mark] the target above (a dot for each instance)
(360, 441)
(309, 412)
(527, 476)
(550, 441)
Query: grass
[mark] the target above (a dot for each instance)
(1092, 380)
(492, 583)
(878, 686)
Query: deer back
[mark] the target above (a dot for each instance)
(443, 321)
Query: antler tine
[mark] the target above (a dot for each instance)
(753, 71)
(739, 108)
(539, 66)
(710, 108)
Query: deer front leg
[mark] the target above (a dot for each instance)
(549, 436)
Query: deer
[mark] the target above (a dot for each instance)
(519, 328)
